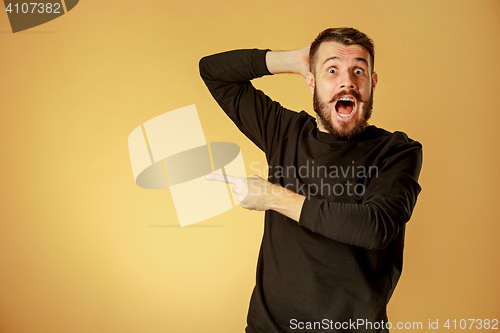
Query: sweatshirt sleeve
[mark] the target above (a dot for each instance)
(227, 75)
(386, 206)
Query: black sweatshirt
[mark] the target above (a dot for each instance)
(336, 269)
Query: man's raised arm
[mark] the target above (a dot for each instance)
(227, 75)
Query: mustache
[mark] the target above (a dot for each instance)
(347, 92)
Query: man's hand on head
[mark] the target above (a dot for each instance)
(294, 61)
(303, 55)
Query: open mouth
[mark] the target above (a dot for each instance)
(345, 106)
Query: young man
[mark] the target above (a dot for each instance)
(339, 191)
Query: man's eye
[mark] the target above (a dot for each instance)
(332, 70)
(358, 71)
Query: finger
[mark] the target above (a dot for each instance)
(236, 189)
(223, 178)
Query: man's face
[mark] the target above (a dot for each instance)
(342, 88)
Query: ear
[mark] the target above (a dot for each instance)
(374, 80)
(310, 82)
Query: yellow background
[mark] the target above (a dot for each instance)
(83, 249)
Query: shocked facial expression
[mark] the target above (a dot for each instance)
(342, 86)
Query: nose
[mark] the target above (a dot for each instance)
(346, 81)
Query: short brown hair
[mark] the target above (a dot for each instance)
(345, 36)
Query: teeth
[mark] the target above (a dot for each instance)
(347, 99)
(345, 115)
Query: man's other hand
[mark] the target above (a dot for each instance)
(254, 193)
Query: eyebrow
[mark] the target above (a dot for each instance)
(337, 58)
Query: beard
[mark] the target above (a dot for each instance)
(343, 132)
